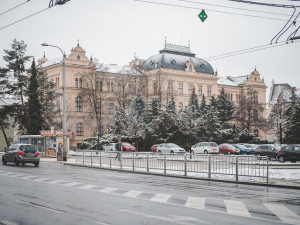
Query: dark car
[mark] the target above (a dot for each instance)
(21, 153)
(289, 153)
(228, 149)
(267, 150)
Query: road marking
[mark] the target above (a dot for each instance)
(40, 179)
(86, 187)
(55, 181)
(108, 190)
(41, 206)
(132, 193)
(28, 177)
(7, 223)
(71, 184)
(163, 198)
(102, 223)
(176, 220)
(283, 213)
(236, 208)
(16, 175)
(195, 202)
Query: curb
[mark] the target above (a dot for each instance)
(186, 177)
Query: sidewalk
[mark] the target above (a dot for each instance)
(285, 176)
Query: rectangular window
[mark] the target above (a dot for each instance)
(180, 88)
(110, 108)
(170, 87)
(98, 107)
(208, 90)
(155, 88)
(190, 89)
(199, 90)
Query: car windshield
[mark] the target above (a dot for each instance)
(174, 146)
(240, 146)
(230, 146)
(126, 144)
(248, 146)
(213, 144)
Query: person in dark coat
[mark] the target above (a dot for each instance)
(118, 148)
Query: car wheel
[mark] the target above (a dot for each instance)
(293, 161)
(23, 164)
(159, 151)
(229, 153)
(205, 152)
(4, 161)
(172, 152)
(36, 164)
(17, 163)
(281, 159)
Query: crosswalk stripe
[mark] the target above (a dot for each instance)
(40, 179)
(236, 208)
(28, 177)
(283, 213)
(86, 187)
(132, 194)
(108, 190)
(160, 198)
(195, 202)
(55, 181)
(71, 184)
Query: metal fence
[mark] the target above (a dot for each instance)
(232, 167)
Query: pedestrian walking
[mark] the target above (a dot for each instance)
(118, 148)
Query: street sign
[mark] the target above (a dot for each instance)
(202, 15)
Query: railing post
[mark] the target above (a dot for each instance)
(209, 166)
(83, 156)
(76, 156)
(147, 162)
(91, 158)
(110, 160)
(121, 161)
(185, 165)
(267, 169)
(100, 160)
(165, 164)
(237, 168)
(132, 160)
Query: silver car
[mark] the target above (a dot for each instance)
(205, 148)
(21, 153)
(170, 148)
(110, 147)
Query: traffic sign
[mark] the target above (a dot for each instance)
(202, 15)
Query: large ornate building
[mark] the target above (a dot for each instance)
(171, 74)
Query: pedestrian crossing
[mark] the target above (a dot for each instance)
(267, 211)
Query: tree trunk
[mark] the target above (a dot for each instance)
(4, 134)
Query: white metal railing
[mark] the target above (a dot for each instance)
(237, 167)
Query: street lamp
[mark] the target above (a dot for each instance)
(64, 158)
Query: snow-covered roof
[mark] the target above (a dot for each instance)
(227, 82)
(9, 101)
(116, 69)
(284, 89)
(52, 62)
(241, 80)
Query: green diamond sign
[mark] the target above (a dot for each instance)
(202, 15)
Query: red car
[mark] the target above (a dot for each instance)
(228, 149)
(127, 147)
(154, 148)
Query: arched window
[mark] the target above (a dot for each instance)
(190, 68)
(108, 86)
(76, 82)
(231, 97)
(111, 86)
(78, 104)
(79, 129)
(78, 57)
(180, 106)
(80, 83)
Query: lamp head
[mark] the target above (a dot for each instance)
(45, 44)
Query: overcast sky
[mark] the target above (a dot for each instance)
(115, 30)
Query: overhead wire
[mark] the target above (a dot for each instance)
(218, 11)
(14, 7)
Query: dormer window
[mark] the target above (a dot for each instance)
(78, 57)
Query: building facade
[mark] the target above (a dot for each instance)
(172, 74)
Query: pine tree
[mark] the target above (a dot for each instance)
(137, 106)
(5, 122)
(203, 106)
(211, 125)
(172, 106)
(34, 120)
(292, 121)
(213, 102)
(120, 122)
(153, 111)
(193, 102)
(226, 108)
(14, 78)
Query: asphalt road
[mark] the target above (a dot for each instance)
(61, 194)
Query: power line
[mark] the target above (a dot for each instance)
(218, 11)
(23, 19)
(14, 7)
(245, 51)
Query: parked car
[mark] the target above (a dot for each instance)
(243, 149)
(267, 150)
(170, 148)
(205, 148)
(110, 147)
(228, 149)
(127, 147)
(154, 148)
(21, 153)
(251, 146)
(289, 153)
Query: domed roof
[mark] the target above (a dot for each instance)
(175, 57)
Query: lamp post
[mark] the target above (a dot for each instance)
(64, 153)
